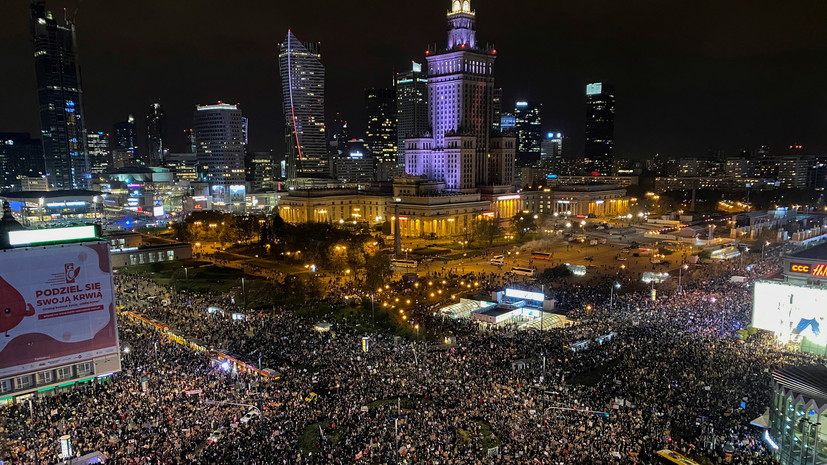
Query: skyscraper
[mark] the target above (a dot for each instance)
(100, 155)
(156, 135)
(551, 152)
(60, 98)
(461, 152)
(125, 144)
(20, 155)
(411, 107)
(302, 86)
(497, 103)
(600, 127)
(380, 135)
(220, 136)
(527, 122)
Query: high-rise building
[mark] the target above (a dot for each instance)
(220, 137)
(551, 152)
(508, 122)
(411, 107)
(262, 170)
(380, 135)
(100, 156)
(61, 99)
(460, 151)
(302, 86)
(189, 138)
(20, 156)
(600, 128)
(125, 144)
(156, 135)
(527, 122)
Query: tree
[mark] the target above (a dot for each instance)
(522, 224)
(559, 271)
(377, 270)
(489, 230)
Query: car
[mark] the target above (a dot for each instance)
(216, 435)
(311, 397)
(621, 258)
(253, 413)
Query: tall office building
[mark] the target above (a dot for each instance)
(125, 144)
(508, 122)
(220, 138)
(527, 122)
(551, 152)
(600, 128)
(20, 156)
(380, 135)
(100, 155)
(460, 151)
(302, 87)
(61, 99)
(411, 107)
(156, 135)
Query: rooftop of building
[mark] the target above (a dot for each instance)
(818, 252)
(589, 187)
(497, 311)
(809, 381)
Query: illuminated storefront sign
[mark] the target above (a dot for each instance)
(813, 270)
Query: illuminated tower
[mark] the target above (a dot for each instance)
(61, 100)
(302, 86)
(461, 108)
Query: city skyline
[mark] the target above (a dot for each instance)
(668, 100)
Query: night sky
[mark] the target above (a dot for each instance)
(690, 75)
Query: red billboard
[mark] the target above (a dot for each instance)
(57, 307)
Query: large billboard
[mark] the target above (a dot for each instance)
(57, 307)
(791, 312)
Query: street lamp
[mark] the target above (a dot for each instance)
(680, 276)
(616, 285)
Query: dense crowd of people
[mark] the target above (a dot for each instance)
(628, 379)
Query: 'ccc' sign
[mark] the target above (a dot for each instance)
(798, 268)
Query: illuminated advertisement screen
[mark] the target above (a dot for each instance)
(518, 294)
(790, 311)
(238, 193)
(58, 307)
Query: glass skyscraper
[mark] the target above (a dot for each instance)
(600, 128)
(220, 139)
(411, 107)
(156, 135)
(61, 100)
(527, 122)
(302, 85)
(380, 135)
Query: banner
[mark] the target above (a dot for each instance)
(57, 307)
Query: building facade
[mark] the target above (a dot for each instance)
(21, 156)
(100, 155)
(60, 96)
(220, 136)
(600, 114)
(302, 85)
(588, 199)
(125, 144)
(797, 433)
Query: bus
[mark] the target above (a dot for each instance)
(398, 263)
(670, 457)
(542, 255)
(523, 271)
